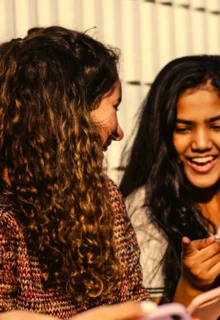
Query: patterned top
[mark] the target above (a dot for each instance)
(20, 275)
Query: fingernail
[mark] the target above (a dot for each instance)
(148, 306)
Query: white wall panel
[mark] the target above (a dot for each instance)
(110, 23)
(213, 5)
(130, 40)
(213, 39)
(23, 16)
(198, 3)
(182, 31)
(181, 2)
(7, 20)
(46, 11)
(199, 32)
(165, 27)
(88, 14)
(149, 53)
(68, 14)
(149, 34)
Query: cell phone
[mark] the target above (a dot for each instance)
(169, 311)
(206, 306)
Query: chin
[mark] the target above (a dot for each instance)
(106, 145)
(203, 184)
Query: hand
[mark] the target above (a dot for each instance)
(125, 311)
(200, 262)
(24, 315)
(200, 267)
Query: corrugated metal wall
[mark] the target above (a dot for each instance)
(149, 33)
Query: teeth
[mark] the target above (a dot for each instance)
(202, 160)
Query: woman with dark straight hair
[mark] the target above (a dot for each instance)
(172, 180)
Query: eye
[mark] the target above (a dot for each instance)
(215, 127)
(116, 107)
(183, 129)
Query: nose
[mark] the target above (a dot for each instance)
(119, 134)
(201, 141)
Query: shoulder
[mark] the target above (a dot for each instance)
(136, 206)
(10, 239)
(115, 197)
(113, 189)
(137, 197)
(151, 239)
(11, 234)
(122, 225)
(9, 227)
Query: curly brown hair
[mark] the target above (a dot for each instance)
(49, 83)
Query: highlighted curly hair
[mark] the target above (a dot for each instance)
(49, 83)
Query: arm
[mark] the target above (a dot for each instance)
(200, 267)
(126, 311)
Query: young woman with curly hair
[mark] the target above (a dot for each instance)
(66, 244)
(172, 180)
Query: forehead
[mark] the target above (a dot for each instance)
(199, 103)
(115, 91)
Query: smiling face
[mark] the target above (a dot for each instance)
(105, 116)
(196, 136)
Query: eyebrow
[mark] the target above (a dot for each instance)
(214, 119)
(210, 120)
(184, 121)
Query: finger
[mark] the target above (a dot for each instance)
(215, 266)
(191, 247)
(186, 240)
(187, 247)
(203, 243)
(208, 253)
(210, 240)
(208, 265)
(125, 311)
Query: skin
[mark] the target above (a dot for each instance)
(197, 141)
(105, 116)
(197, 136)
(125, 311)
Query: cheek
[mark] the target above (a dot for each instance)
(106, 129)
(181, 144)
(111, 122)
(114, 121)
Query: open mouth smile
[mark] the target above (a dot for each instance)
(202, 164)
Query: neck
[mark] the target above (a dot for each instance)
(209, 203)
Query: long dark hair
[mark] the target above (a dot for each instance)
(153, 162)
(49, 83)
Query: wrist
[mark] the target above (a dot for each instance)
(185, 292)
(189, 288)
